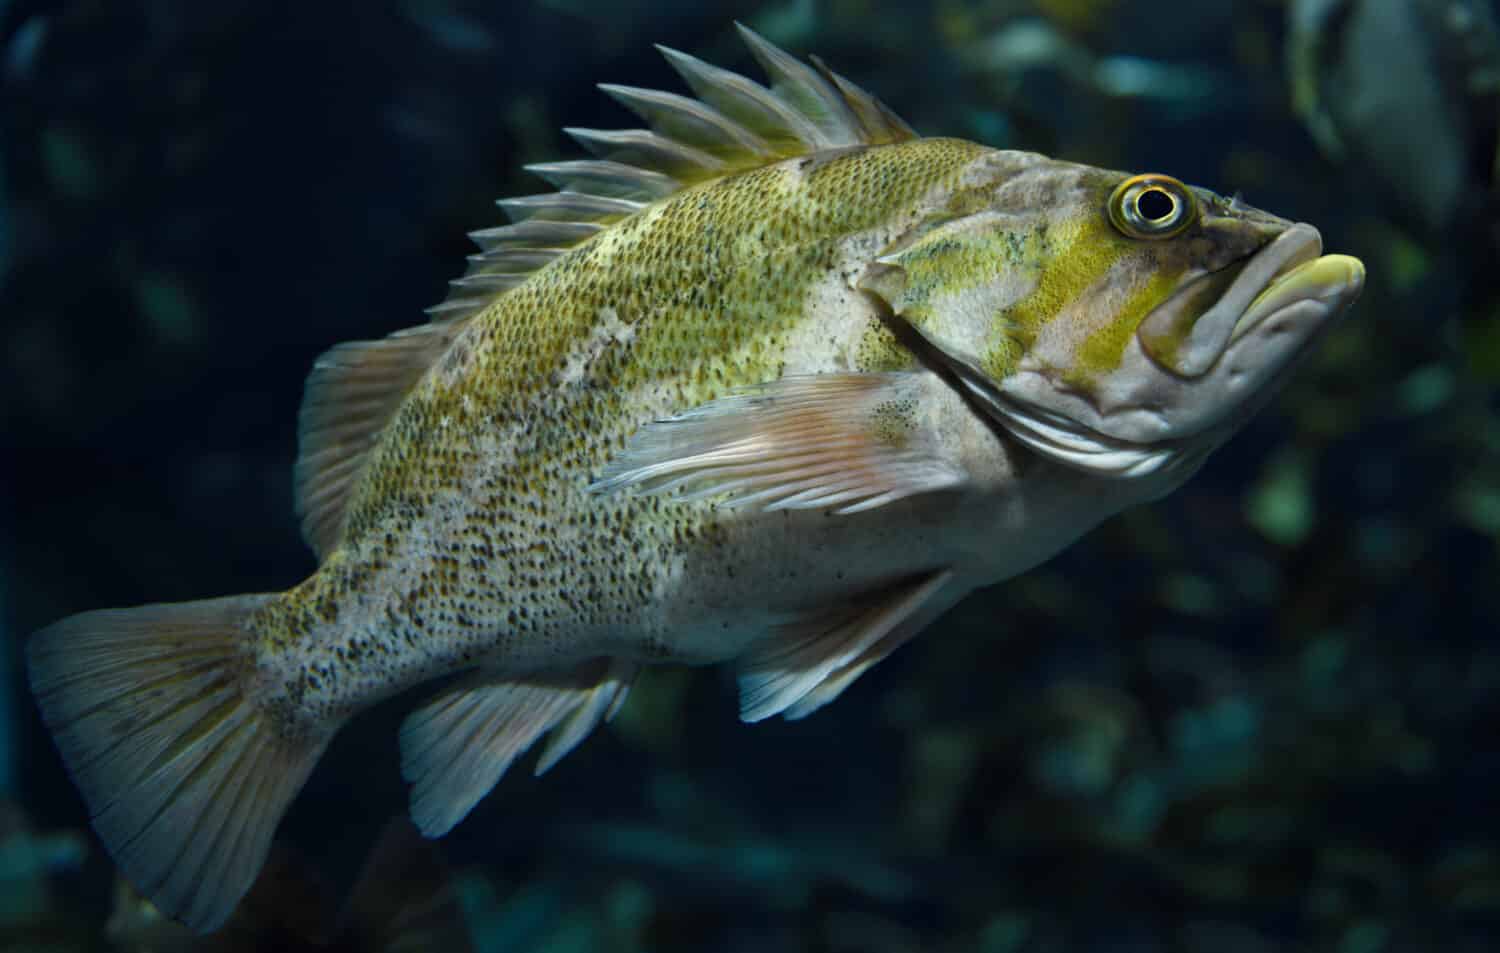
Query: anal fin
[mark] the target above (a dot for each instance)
(808, 663)
(456, 747)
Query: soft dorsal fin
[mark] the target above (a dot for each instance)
(735, 124)
(353, 390)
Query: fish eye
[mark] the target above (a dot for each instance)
(1152, 206)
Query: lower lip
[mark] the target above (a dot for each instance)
(1326, 278)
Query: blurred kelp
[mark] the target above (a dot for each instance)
(11, 698)
(36, 871)
(1254, 716)
(404, 899)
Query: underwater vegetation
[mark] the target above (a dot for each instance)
(403, 898)
(1254, 715)
(10, 717)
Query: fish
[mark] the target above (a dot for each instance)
(772, 382)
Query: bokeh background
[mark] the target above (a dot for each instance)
(1260, 715)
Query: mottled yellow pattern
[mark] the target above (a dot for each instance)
(471, 527)
(1102, 351)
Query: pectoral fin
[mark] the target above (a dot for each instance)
(847, 442)
(830, 649)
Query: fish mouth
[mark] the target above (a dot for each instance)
(1189, 343)
(1330, 280)
(1292, 299)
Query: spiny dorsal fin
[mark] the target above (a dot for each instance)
(351, 394)
(735, 124)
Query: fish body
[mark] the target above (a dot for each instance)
(476, 537)
(774, 383)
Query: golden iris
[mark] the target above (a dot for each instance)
(1152, 206)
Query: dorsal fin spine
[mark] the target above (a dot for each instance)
(743, 100)
(604, 179)
(644, 147)
(568, 206)
(878, 122)
(535, 234)
(800, 85)
(734, 124)
(689, 121)
(511, 260)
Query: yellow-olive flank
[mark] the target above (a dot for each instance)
(774, 382)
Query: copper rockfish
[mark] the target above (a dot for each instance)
(774, 382)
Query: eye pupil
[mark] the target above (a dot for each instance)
(1154, 205)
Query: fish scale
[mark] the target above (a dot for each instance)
(774, 382)
(655, 275)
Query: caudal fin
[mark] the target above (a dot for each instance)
(185, 778)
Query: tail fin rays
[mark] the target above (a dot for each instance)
(185, 778)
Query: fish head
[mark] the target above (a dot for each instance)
(1119, 324)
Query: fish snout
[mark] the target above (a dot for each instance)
(1190, 332)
